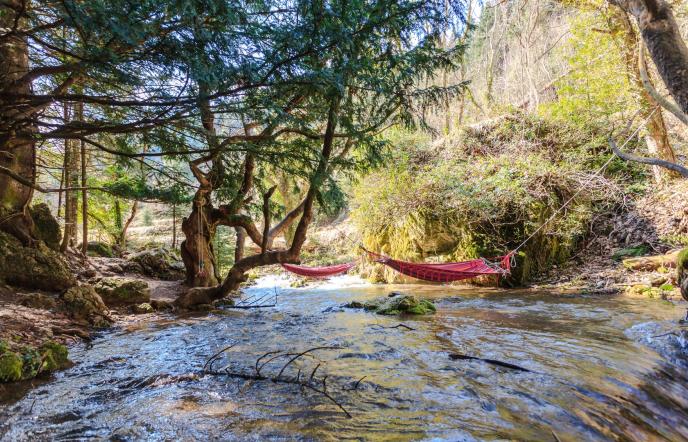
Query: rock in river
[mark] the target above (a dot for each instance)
(396, 304)
(122, 291)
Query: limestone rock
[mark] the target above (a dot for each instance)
(396, 304)
(33, 267)
(100, 249)
(46, 227)
(159, 263)
(82, 302)
(682, 272)
(142, 308)
(38, 301)
(162, 305)
(121, 291)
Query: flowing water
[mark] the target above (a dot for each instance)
(589, 378)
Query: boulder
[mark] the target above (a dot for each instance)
(682, 272)
(396, 304)
(27, 362)
(162, 305)
(46, 227)
(142, 308)
(122, 291)
(37, 267)
(82, 302)
(159, 263)
(11, 365)
(38, 301)
(100, 249)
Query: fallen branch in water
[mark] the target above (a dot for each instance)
(458, 356)
(311, 382)
(381, 327)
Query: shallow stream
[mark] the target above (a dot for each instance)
(589, 378)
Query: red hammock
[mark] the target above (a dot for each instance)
(319, 272)
(448, 272)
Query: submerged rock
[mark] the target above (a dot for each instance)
(396, 304)
(82, 302)
(46, 227)
(121, 291)
(159, 263)
(36, 267)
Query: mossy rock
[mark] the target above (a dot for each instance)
(398, 304)
(36, 267)
(11, 366)
(142, 309)
(159, 263)
(682, 272)
(55, 356)
(122, 291)
(82, 302)
(101, 249)
(46, 227)
(630, 252)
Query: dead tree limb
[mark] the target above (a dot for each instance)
(462, 357)
(651, 161)
(311, 383)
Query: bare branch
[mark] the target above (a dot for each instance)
(651, 161)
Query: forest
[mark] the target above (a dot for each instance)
(344, 220)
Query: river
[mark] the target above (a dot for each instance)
(590, 376)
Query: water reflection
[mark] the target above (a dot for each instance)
(590, 379)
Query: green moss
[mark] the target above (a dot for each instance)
(682, 264)
(398, 304)
(10, 367)
(32, 361)
(666, 287)
(630, 252)
(55, 356)
(96, 248)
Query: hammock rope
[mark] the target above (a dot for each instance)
(456, 271)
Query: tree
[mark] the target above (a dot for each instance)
(663, 40)
(336, 103)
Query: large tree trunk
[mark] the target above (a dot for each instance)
(663, 39)
(17, 144)
(657, 139)
(197, 249)
(84, 202)
(71, 166)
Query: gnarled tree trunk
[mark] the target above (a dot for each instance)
(17, 144)
(197, 249)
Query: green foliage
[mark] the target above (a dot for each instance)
(630, 251)
(10, 367)
(597, 86)
(431, 202)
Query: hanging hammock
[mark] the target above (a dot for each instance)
(450, 271)
(319, 272)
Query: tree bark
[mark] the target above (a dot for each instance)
(663, 40)
(84, 202)
(657, 138)
(72, 180)
(17, 144)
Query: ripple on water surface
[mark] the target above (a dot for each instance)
(589, 376)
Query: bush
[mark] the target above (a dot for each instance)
(482, 198)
